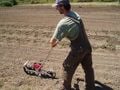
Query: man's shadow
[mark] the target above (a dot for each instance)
(98, 85)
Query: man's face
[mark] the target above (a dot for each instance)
(60, 8)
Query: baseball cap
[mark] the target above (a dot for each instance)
(61, 2)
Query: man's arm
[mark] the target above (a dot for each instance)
(53, 42)
(58, 35)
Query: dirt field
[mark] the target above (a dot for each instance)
(24, 35)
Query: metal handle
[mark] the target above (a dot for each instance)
(48, 53)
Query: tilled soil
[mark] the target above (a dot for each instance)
(25, 32)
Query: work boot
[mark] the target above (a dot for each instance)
(92, 88)
(68, 89)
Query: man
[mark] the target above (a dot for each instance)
(71, 27)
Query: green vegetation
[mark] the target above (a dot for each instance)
(6, 3)
(97, 0)
(10, 3)
(51, 1)
(35, 1)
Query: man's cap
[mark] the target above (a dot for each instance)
(61, 2)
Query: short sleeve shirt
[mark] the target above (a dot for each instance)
(67, 28)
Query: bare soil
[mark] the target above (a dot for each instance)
(24, 35)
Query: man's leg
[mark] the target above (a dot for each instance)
(69, 66)
(89, 72)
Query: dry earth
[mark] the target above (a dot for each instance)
(24, 35)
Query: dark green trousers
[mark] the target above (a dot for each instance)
(74, 58)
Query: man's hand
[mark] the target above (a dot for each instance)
(53, 42)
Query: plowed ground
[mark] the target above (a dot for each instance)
(24, 35)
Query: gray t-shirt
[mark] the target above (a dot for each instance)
(67, 27)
